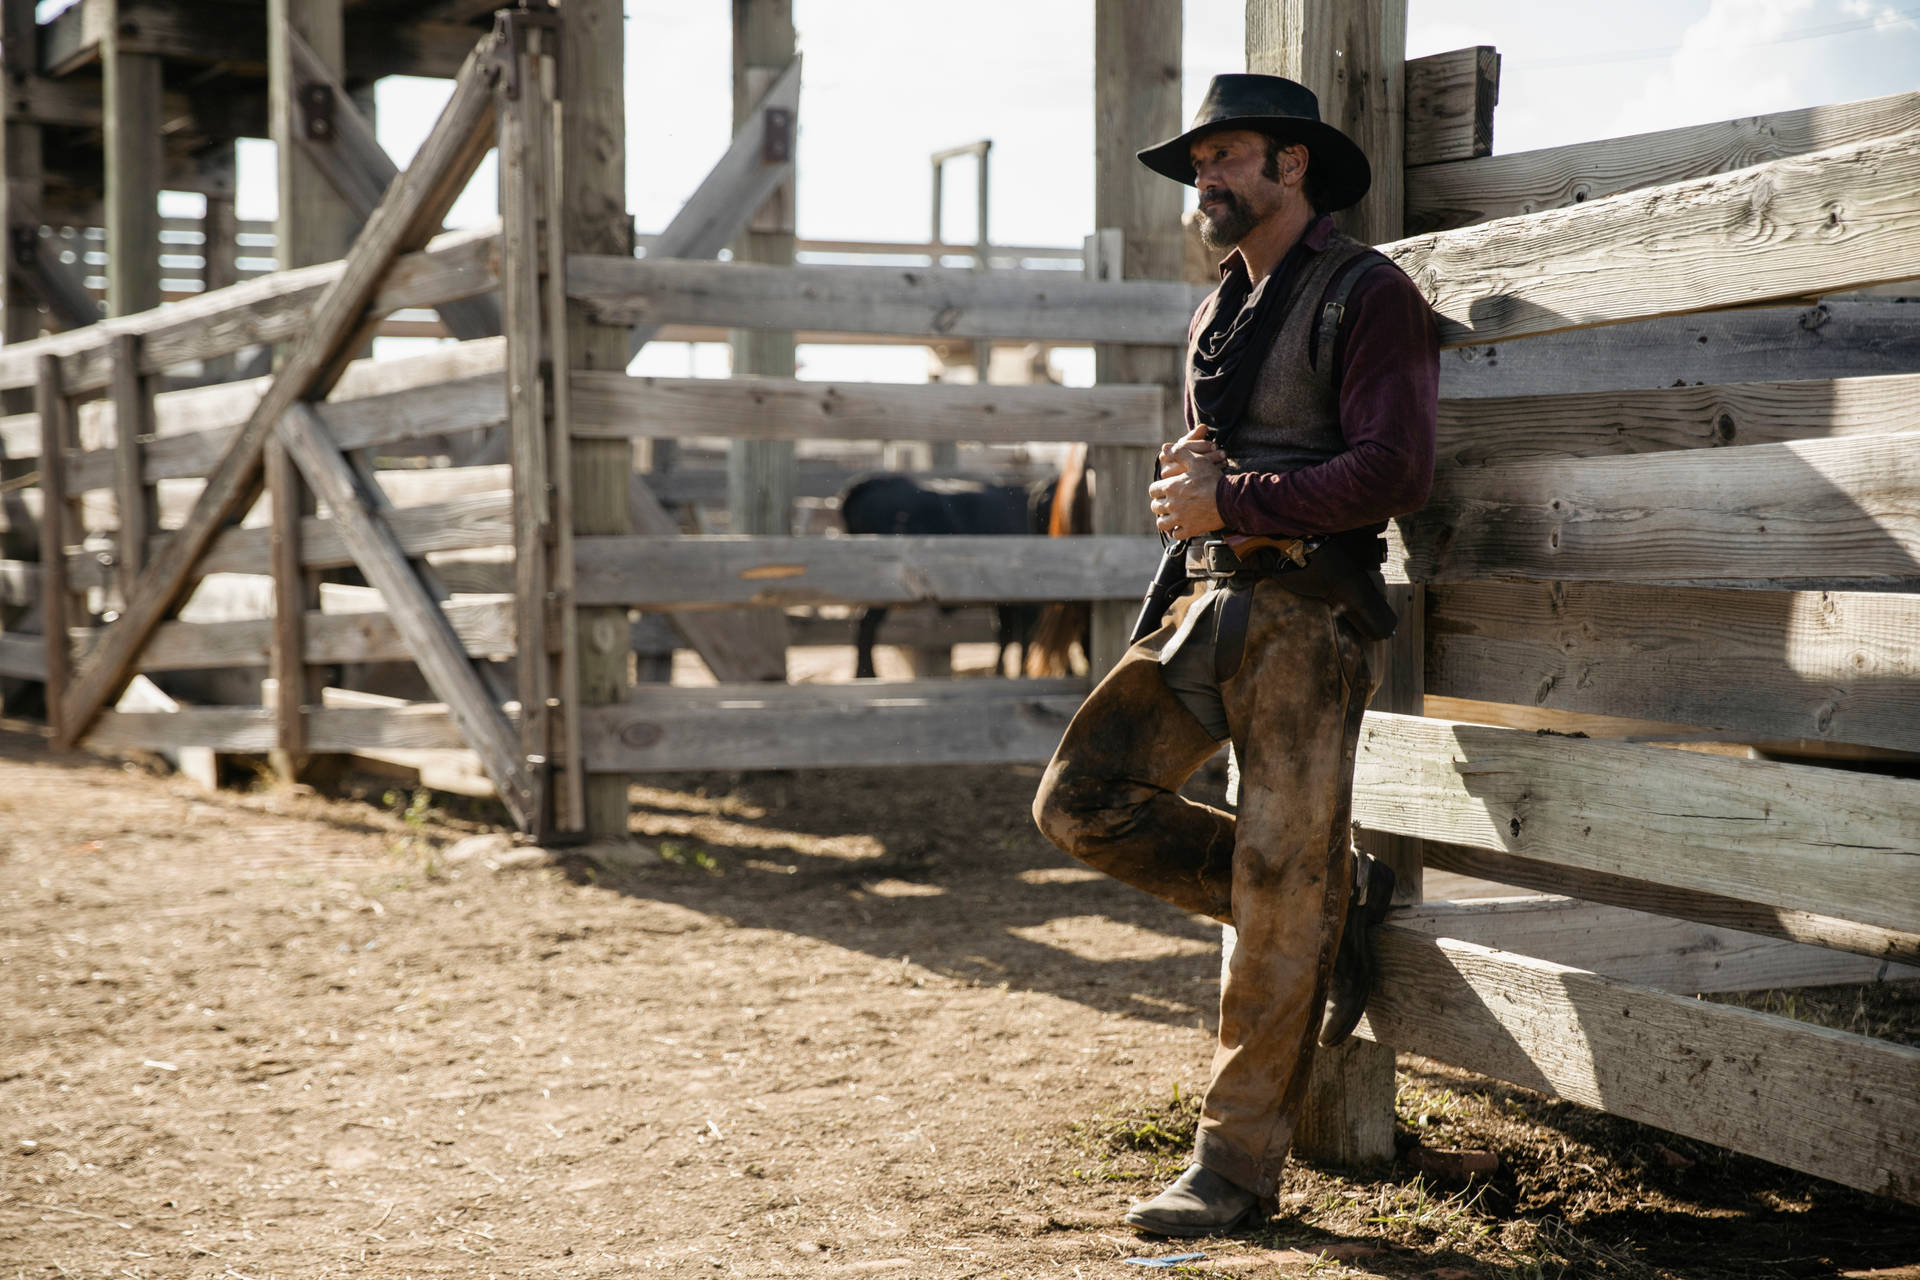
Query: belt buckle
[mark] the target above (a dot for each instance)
(1220, 559)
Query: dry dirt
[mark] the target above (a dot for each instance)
(856, 1024)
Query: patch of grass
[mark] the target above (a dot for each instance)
(689, 855)
(1140, 1141)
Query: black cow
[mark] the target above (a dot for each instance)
(888, 502)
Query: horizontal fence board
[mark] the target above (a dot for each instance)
(1839, 512)
(1782, 923)
(1477, 190)
(1824, 1102)
(1498, 429)
(612, 405)
(1818, 840)
(662, 573)
(867, 723)
(1639, 947)
(459, 264)
(250, 730)
(485, 629)
(23, 657)
(1835, 339)
(1840, 667)
(922, 301)
(1833, 220)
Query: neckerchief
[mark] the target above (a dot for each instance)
(1228, 353)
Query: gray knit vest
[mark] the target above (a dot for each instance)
(1292, 419)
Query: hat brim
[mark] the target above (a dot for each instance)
(1345, 175)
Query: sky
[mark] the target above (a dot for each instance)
(887, 82)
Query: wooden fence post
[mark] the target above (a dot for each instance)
(1352, 54)
(1136, 55)
(50, 402)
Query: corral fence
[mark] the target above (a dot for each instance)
(1731, 558)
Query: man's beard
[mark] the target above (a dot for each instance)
(1235, 221)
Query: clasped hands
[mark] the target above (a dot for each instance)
(1182, 499)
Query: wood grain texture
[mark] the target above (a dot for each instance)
(1827, 340)
(1459, 194)
(923, 301)
(485, 629)
(1500, 429)
(1816, 840)
(249, 730)
(1832, 666)
(1824, 1102)
(1640, 947)
(1832, 220)
(613, 405)
(1450, 101)
(875, 569)
(934, 722)
(271, 308)
(1783, 923)
(1839, 513)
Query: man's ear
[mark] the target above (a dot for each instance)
(1293, 164)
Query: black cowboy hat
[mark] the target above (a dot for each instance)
(1285, 110)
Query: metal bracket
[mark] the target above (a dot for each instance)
(316, 112)
(776, 135)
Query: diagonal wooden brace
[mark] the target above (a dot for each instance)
(428, 635)
(406, 219)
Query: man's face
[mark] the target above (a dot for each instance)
(1239, 187)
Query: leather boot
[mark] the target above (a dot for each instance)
(1198, 1203)
(1353, 964)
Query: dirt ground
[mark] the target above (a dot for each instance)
(852, 1024)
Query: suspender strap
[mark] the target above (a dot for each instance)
(1333, 312)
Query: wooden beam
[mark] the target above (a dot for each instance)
(1822, 513)
(249, 730)
(1790, 836)
(415, 205)
(1441, 197)
(924, 302)
(1832, 666)
(1779, 230)
(1499, 429)
(55, 428)
(871, 723)
(613, 405)
(134, 498)
(348, 155)
(1638, 947)
(1824, 1102)
(133, 163)
(1450, 101)
(273, 308)
(666, 573)
(1782, 923)
(435, 648)
(1827, 340)
(206, 32)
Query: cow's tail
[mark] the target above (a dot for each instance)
(1062, 624)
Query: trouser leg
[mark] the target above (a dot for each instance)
(1294, 710)
(1111, 796)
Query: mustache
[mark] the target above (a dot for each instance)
(1224, 195)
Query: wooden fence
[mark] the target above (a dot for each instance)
(1728, 559)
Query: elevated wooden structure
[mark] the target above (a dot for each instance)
(1735, 558)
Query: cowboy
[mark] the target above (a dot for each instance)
(1312, 379)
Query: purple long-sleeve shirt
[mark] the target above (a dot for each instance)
(1389, 411)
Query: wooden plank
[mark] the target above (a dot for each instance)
(131, 80)
(1498, 429)
(1450, 101)
(1790, 836)
(1825, 1102)
(348, 155)
(1645, 949)
(133, 496)
(484, 627)
(249, 730)
(1829, 340)
(1454, 195)
(923, 302)
(1836, 513)
(1778, 230)
(1839, 667)
(612, 405)
(653, 572)
(436, 650)
(54, 409)
(272, 308)
(1785, 924)
(415, 204)
(762, 726)
(293, 595)
(23, 657)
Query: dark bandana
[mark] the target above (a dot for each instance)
(1228, 353)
